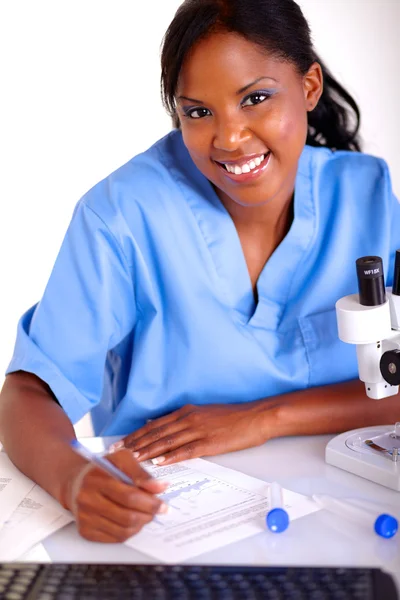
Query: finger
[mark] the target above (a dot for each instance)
(192, 450)
(95, 535)
(136, 499)
(167, 444)
(92, 479)
(128, 441)
(118, 507)
(157, 434)
(88, 524)
(124, 460)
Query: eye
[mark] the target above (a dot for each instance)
(255, 98)
(196, 113)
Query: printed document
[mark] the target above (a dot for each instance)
(209, 506)
(13, 487)
(28, 513)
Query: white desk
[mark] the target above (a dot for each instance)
(317, 539)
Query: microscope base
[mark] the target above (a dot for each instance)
(349, 452)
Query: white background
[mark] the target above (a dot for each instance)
(79, 96)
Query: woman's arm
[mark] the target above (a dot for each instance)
(36, 434)
(333, 409)
(196, 431)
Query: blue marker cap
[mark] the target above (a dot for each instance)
(277, 520)
(386, 526)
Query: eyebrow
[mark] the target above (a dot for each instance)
(240, 91)
(246, 87)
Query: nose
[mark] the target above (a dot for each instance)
(230, 134)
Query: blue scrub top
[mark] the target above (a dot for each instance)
(150, 306)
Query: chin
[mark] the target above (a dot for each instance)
(250, 197)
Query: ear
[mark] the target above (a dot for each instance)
(313, 85)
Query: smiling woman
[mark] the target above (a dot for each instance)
(191, 306)
(239, 122)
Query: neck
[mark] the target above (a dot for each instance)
(271, 220)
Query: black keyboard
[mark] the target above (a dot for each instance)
(28, 581)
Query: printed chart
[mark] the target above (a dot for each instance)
(209, 506)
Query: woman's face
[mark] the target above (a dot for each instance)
(243, 117)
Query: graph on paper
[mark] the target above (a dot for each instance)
(209, 506)
(192, 497)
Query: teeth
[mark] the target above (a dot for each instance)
(247, 167)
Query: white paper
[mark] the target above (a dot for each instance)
(37, 516)
(13, 487)
(37, 554)
(209, 506)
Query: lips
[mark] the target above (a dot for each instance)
(252, 170)
(243, 160)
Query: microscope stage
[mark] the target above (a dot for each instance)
(349, 451)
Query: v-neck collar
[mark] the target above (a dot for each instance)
(275, 282)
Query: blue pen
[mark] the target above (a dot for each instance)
(101, 462)
(277, 518)
(383, 524)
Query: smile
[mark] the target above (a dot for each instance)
(245, 171)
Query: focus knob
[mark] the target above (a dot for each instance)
(390, 366)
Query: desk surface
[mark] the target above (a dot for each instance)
(321, 538)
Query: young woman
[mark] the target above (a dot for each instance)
(195, 287)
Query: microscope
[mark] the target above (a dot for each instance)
(371, 321)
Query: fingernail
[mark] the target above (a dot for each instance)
(163, 509)
(158, 460)
(116, 446)
(135, 454)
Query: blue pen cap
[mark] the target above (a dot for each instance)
(386, 526)
(277, 520)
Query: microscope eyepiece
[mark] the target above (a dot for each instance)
(396, 278)
(371, 281)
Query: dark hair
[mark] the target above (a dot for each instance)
(277, 26)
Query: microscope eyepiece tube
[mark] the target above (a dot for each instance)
(396, 277)
(371, 281)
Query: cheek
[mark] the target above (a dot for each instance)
(196, 141)
(287, 122)
(291, 131)
(289, 128)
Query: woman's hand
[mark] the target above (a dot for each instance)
(194, 431)
(108, 510)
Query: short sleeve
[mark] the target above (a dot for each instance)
(88, 307)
